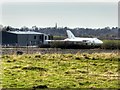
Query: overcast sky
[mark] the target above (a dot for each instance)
(70, 14)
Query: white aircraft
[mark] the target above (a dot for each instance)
(78, 40)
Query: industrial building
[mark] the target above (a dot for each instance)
(24, 38)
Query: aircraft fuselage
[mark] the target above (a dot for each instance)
(88, 41)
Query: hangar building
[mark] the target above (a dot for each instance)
(24, 38)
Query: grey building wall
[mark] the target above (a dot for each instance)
(9, 38)
(22, 40)
(19, 39)
(30, 39)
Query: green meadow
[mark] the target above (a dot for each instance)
(80, 70)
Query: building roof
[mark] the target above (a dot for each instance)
(24, 32)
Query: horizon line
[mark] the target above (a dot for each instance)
(59, 27)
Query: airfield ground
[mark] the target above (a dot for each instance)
(33, 50)
(90, 68)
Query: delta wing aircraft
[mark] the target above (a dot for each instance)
(78, 40)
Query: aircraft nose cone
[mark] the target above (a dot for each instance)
(101, 42)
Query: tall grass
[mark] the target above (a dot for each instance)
(111, 44)
(96, 70)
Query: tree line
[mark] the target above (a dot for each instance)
(101, 33)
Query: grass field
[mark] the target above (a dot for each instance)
(111, 44)
(97, 70)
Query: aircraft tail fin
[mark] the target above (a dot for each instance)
(70, 34)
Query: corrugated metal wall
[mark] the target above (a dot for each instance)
(13, 39)
(9, 38)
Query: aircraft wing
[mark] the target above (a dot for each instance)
(66, 42)
(55, 40)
